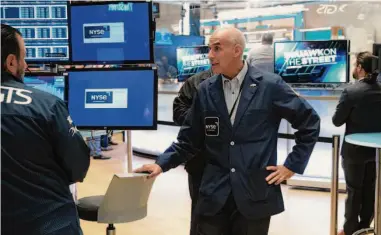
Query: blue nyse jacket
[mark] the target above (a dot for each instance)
(41, 155)
(238, 154)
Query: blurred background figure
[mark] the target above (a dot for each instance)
(165, 70)
(262, 57)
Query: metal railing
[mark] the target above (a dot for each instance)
(334, 183)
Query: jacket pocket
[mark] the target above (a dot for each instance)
(257, 186)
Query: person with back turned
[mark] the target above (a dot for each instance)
(195, 167)
(263, 56)
(233, 123)
(42, 152)
(359, 109)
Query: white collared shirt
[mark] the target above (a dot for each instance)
(231, 90)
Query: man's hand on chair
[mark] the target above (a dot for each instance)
(152, 169)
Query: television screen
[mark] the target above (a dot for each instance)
(113, 99)
(192, 60)
(43, 25)
(312, 61)
(52, 84)
(121, 32)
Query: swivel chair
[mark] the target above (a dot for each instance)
(367, 231)
(125, 201)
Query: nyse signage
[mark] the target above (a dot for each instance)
(99, 97)
(103, 33)
(106, 98)
(97, 31)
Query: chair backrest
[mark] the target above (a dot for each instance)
(126, 198)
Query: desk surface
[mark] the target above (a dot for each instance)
(372, 140)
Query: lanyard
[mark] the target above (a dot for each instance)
(236, 100)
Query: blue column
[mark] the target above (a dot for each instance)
(298, 24)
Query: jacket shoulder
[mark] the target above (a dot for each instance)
(198, 78)
(29, 101)
(267, 78)
(357, 90)
(44, 97)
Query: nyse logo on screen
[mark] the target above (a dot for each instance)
(97, 31)
(99, 97)
(104, 32)
(106, 98)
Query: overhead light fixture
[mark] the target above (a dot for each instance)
(266, 31)
(315, 29)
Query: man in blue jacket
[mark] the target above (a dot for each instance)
(42, 152)
(234, 122)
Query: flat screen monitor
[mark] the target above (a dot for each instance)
(312, 61)
(192, 60)
(50, 83)
(43, 25)
(111, 32)
(113, 98)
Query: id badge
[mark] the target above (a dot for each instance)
(212, 126)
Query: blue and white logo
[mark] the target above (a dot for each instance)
(99, 97)
(103, 33)
(106, 98)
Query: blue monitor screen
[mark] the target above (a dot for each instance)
(111, 32)
(312, 61)
(43, 25)
(54, 85)
(192, 60)
(113, 99)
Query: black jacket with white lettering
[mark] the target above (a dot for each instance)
(42, 153)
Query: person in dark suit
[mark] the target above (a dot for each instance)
(42, 152)
(234, 122)
(195, 167)
(359, 109)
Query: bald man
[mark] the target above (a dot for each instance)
(233, 122)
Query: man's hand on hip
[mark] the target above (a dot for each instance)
(152, 169)
(280, 174)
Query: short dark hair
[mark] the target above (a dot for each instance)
(267, 38)
(366, 59)
(9, 43)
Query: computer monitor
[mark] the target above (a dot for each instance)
(111, 32)
(51, 83)
(192, 60)
(43, 25)
(312, 61)
(123, 98)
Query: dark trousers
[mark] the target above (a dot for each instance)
(194, 182)
(230, 221)
(359, 205)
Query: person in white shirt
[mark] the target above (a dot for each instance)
(263, 57)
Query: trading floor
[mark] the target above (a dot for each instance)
(307, 212)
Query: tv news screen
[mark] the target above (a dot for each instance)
(111, 32)
(52, 84)
(113, 98)
(312, 61)
(43, 25)
(191, 60)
